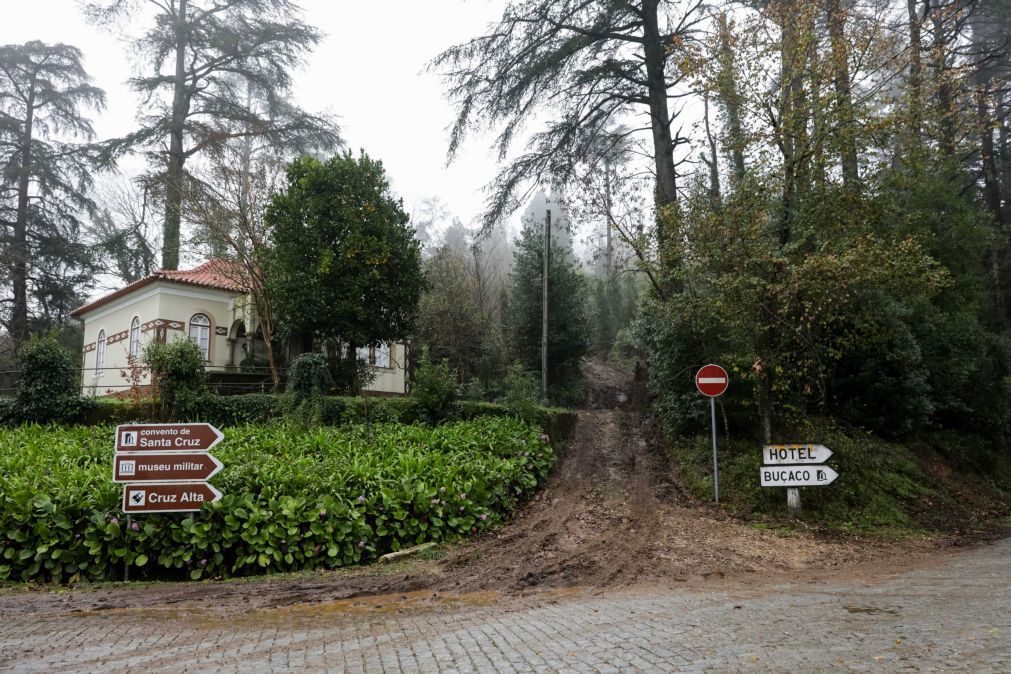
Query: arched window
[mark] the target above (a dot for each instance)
(135, 337)
(100, 354)
(200, 333)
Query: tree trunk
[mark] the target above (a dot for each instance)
(915, 70)
(714, 167)
(992, 198)
(836, 17)
(19, 248)
(942, 75)
(787, 115)
(731, 102)
(177, 157)
(656, 83)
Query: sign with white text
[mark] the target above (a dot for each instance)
(797, 476)
(137, 468)
(168, 498)
(795, 454)
(135, 438)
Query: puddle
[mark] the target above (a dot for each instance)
(872, 610)
(308, 614)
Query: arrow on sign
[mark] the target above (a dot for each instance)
(793, 454)
(138, 468)
(797, 476)
(167, 438)
(168, 498)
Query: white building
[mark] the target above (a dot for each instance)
(207, 305)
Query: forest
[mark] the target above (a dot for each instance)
(813, 194)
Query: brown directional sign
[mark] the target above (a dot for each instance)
(135, 438)
(136, 468)
(168, 498)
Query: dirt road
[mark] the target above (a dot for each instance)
(611, 516)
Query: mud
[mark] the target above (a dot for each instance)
(612, 516)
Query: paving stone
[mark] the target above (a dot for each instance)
(955, 616)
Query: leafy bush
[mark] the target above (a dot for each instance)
(434, 388)
(255, 408)
(882, 486)
(308, 381)
(318, 498)
(309, 377)
(177, 371)
(47, 388)
(522, 392)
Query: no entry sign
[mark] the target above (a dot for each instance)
(712, 381)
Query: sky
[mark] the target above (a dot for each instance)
(369, 70)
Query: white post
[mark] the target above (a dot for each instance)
(544, 309)
(793, 502)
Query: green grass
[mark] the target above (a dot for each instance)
(885, 489)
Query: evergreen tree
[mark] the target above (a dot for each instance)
(207, 63)
(568, 324)
(46, 177)
(344, 266)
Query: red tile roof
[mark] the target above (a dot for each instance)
(217, 273)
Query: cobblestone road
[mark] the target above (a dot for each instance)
(952, 616)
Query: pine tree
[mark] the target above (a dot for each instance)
(568, 323)
(207, 62)
(46, 178)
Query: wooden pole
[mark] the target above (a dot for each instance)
(793, 502)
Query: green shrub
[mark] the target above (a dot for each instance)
(522, 392)
(309, 380)
(177, 371)
(309, 377)
(293, 499)
(434, 388)
(47, 388)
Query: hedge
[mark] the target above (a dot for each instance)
(293, 499)
(225, 411)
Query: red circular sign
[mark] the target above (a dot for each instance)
(712, 380)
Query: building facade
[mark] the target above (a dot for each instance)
(207, 305)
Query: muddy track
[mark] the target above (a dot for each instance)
(611, 515)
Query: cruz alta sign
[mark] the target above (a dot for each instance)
(793, 466)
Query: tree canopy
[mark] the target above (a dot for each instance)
(345, 265)
(216, 72)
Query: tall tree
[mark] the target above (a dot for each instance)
(345, 267)
(206, 60)
(568, 325)
(44, 91)
(587, 64)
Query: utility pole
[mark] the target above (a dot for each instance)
(544, 310)
(607, 206)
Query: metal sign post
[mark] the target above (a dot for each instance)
(716, 469)
(712, 381)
